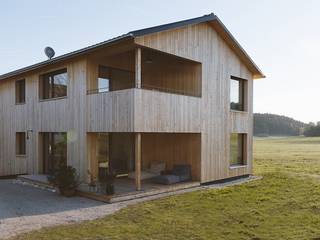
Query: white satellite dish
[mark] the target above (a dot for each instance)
(49, 52)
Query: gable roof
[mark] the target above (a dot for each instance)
(211, 18)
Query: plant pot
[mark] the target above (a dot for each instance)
(109, 189)
(69, 192)
(61, 191)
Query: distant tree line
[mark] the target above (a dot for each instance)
(275, 125)
(312, 130)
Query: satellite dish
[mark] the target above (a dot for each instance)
(49, 52)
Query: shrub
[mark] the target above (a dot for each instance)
(65, 179)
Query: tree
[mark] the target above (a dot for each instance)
(275, 125)
(312, 130)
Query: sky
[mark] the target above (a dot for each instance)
(282, 37)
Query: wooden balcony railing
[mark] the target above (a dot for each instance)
(148, 87)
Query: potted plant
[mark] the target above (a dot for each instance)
(107, 178)
(110, 178)
(65, 179)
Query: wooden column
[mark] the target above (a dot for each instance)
(137, 144)
(137, 136)
(138, 68)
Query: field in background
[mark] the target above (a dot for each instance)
(285, 204)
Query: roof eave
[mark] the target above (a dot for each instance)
(229, 38)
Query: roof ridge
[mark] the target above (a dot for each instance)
(163, 27)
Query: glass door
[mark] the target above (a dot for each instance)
(54, 151)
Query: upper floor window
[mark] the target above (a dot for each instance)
(54, 84)
(237, 93)
(104, 79)
(20, 143)
(113, 79)
(237, 149)
(21, 91)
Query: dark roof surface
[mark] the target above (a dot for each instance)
(133, 34)
(164, 27)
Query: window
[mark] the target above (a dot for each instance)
(21, 91)
(237, 92)
(113, 79)
(103, 84)
(20, 143)
(237, 149)
(54, 84)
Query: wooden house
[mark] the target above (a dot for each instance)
(175, 94)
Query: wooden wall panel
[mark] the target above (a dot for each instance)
(111, 111)
(239, 122)
(156, 111)
(172, 149)
(170, 73)
(60, 115)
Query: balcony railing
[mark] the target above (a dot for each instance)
(148, 87)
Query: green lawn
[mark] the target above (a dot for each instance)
(285, 204)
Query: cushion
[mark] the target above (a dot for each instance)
(166, 179)
(144, 175)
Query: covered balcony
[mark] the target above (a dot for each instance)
(143, 90)
(143, 68)
(142, 163)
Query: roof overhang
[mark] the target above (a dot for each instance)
(211, 19)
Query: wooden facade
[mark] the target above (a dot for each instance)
(195, 57)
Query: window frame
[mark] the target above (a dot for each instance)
(21, 144)
(244, 152)
(18, 92)
(50, 75)
(243, 94)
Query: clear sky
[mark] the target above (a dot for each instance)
(282, 36)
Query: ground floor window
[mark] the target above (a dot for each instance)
(20, 143)
(54, 150)
(237, 149)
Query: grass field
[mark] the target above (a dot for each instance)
(285, 204)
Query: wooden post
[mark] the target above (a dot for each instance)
(137, 144)
(138, 68)
(137, 141)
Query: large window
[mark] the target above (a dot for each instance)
(237, 92)
(54, 84)
(20, 143)
(237, 149)
(21, 91)
(113, 79)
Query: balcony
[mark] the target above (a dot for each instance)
(143, 90)
(142, 110)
